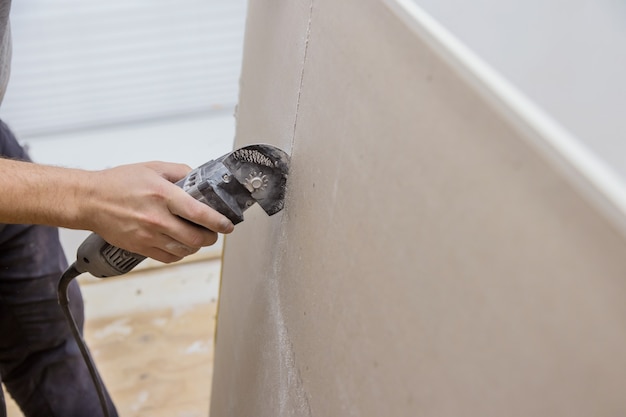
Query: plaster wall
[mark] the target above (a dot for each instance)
(431, 259)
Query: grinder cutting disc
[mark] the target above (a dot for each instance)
(262, 170)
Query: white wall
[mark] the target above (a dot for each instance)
(81, 64)
(568, 56)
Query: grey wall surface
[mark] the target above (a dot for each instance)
(429, 260)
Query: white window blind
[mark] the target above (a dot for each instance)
(86, 63)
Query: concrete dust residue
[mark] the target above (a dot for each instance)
(160, 322)
(118, 327)
(141, 399)
(199, 346)
(292, 397)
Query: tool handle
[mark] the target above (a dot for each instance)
(101, 259)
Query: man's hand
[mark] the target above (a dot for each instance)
(138, 208)
(135, 207)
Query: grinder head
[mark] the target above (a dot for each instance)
(262, 169)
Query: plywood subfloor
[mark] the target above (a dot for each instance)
(156, 362)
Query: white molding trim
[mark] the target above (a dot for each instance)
(591, 176)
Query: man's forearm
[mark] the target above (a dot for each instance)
(135, 207)
(39, 194)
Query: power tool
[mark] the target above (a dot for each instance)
(230, 184)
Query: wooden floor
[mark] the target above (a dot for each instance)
(151, 335)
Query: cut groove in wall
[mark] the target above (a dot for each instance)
(306, 48)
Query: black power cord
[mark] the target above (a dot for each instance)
(64, 301)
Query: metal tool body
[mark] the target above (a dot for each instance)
(230, 184)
